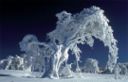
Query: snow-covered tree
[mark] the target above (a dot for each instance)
(81, 28)
(36, 53)
(30, 49)
(17, 63)
(91, 66)
(34, 59)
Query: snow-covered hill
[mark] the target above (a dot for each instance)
(85, 78)
(18, 73)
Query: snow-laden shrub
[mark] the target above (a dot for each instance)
(65, 71)
(120, 69)
(124, 68)
(3, 64)
(117, 71)
(91, 66)
(12, 63)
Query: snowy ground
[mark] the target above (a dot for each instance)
(86, 78)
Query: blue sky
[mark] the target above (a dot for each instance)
(38, 17)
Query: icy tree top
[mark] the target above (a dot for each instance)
(73, 27)
(81, 28)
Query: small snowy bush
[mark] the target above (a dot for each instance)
(91, 66)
